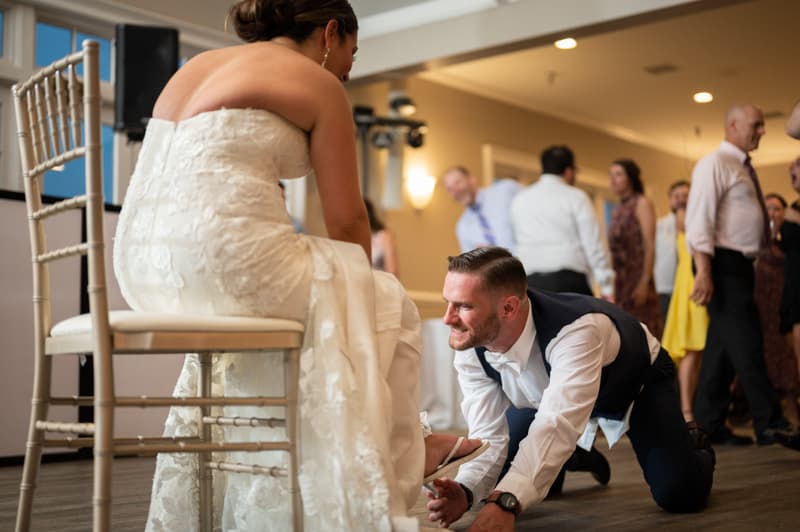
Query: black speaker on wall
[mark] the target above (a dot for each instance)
(146, 58)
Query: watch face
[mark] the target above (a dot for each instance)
(508, 501)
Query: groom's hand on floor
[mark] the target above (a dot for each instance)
(449, 504)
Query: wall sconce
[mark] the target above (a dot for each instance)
(419, 187)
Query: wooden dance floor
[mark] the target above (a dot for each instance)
(756, 488)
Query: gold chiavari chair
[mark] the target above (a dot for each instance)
(58, 120)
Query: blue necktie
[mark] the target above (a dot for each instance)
(487, 231)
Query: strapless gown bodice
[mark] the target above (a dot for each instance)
(203, 197)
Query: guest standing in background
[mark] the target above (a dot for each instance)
(631, 240)
(790, 234)
(726, 227)
(556, 231)
(384, 249)
(666, 259)
(486, 220)
(687, 323)
(778, 354)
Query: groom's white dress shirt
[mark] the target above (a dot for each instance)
(564, 401)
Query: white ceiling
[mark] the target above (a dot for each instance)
(745, 52)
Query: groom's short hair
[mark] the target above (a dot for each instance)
(496, 266)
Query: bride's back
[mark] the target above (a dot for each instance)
(259, 75)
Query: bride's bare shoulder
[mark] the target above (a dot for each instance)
(256, 76)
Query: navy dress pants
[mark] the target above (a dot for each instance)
(679, 475)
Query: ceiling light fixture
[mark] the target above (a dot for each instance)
(566, 44)
(703, 97)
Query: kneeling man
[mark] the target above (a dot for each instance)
(582, 363)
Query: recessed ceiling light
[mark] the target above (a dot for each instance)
(703, 97)
(566, 44)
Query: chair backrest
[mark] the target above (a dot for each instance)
(58, 120)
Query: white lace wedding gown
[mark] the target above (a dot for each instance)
(204, 229)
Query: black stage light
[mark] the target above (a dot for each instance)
(382, 139)
(402, 104)
(415, 138)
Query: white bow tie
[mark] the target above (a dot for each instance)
(499, 361)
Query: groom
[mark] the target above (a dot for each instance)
(583, 364)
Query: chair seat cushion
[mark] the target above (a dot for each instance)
(134, 321)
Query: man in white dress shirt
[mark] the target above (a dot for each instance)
(583, 364)
(726, 227)
(666, 251)
(556, 231)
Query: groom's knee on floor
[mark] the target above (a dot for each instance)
(678, 485)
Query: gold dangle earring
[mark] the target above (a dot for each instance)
(325, 56)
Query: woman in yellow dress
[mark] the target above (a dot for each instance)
(687, 324)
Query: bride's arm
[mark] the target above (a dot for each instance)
(312, 99)
(333, 156)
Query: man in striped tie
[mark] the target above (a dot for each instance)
(485, 221)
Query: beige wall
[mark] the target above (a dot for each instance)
(459, 125)
(775, 178)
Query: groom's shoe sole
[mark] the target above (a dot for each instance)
(592, 462)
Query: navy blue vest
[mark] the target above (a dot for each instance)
(621, 380)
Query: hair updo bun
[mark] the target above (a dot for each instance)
(262, 20)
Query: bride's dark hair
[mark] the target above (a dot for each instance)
(262, 20)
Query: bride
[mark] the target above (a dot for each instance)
(204, 229)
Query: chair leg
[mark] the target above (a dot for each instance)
(292, 378)
(103, 458)
(206, 499)
(30, 470)
(103, 442)
(33, 448)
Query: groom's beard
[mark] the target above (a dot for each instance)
(480, 335)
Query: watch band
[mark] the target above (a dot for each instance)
(507, 501)
(470, 496)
